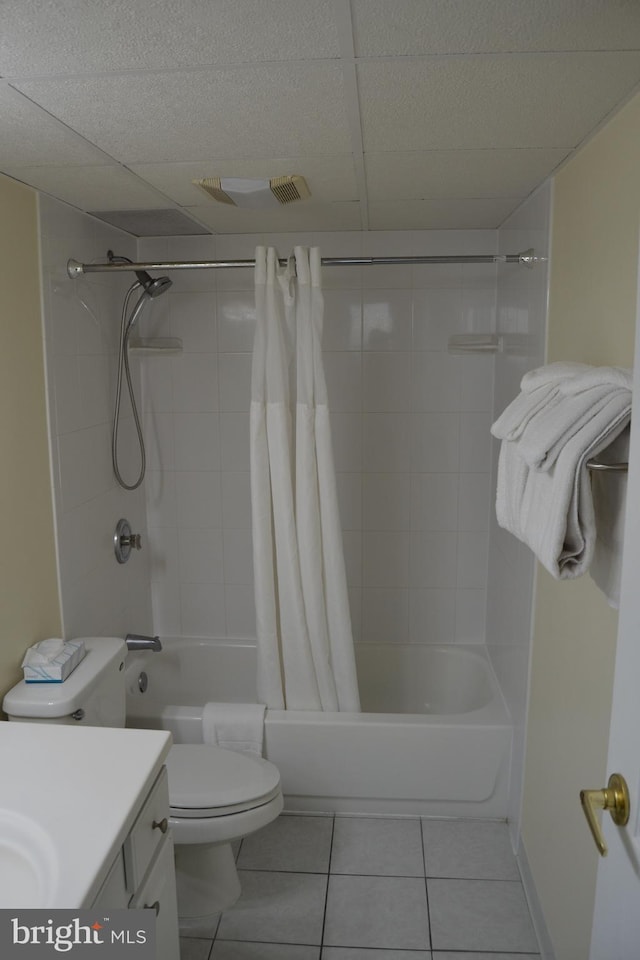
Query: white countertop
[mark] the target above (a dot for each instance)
(80, 786)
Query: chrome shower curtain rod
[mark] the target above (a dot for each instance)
(77, 269)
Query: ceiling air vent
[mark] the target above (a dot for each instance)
(152, 223)
(255, 194)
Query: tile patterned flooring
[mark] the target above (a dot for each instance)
(369, 888)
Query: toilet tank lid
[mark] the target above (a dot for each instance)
(51, 700)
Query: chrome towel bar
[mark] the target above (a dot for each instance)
(607, 467)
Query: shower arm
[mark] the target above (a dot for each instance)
(526, 258)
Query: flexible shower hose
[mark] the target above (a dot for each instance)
(126, 325)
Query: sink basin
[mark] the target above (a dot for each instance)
(28, 862)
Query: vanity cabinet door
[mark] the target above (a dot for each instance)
(158, 892)
(113, 892)
(151, 825)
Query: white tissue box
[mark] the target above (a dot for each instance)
(38, 669)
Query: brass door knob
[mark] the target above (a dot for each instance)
(614, 798)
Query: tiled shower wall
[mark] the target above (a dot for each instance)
(81, 323)
(521, 319)
(410, 430)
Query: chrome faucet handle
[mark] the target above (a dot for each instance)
(124, 541)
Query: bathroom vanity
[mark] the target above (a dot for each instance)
(84, 822)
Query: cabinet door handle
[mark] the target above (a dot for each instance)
(153, 906)
(162, 825)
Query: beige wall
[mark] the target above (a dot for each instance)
(29, 608)
(592, 311)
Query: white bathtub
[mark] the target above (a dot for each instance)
(434, 737)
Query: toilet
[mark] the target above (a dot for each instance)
(216, 796)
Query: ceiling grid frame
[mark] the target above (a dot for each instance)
(379, 103)
(344, 20)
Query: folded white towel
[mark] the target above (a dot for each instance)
(609, 500)
(542, 390)
(236, 726)
(551, 374)
(552, 511)
(516, 417)
(539, 389)
(614, 377)
(547, 433)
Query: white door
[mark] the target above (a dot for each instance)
(616, 921)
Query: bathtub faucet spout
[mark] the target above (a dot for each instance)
(138, 641)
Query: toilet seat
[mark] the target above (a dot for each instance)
(207, 781)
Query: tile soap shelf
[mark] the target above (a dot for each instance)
(464, 343)
(155, 346)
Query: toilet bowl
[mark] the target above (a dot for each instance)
(216, 796)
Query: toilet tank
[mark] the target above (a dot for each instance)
(93, 695)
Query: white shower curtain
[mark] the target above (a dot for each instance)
(305, 648)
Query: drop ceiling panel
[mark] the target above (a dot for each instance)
(252, 111)
(458, 173)
(533, 100)
(92, 188)
(152, 34)
(406, 27)
(152, 223)
(29, 135)
(329, 178)
(440, 214)
(222, 218)
(437, 113)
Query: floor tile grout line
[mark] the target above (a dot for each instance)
(326, 892)
(477, 879)
(327, 873)
(274, 943)
(215, 933)
(426, 887)
(311, 873)
(389, 876)
(417, 950)
(316, 873)
(219, 921)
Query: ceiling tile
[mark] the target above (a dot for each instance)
(293, 217)
(152, 34)
(29, 135)
(458, 173)
(152, 223)
(458, 112)
(440, 214)
(92, 188)
(418, 27)
(251, 111)
(533, 100)
(329, 178)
